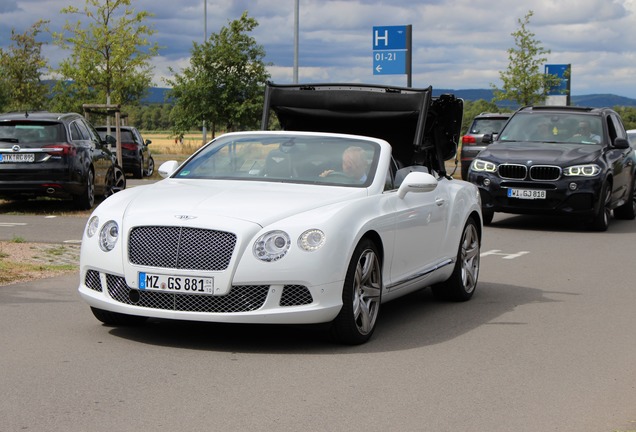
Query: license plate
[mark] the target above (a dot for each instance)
(176, 284)
(526, 193)
(16, 157)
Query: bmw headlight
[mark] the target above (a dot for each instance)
(108, 236)
(311, 240)
(589, 170)
(271, 246)
(479, 165)
(91, 227)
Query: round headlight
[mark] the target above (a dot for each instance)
(108, 236)
(91, 227)
(271, 246)
(311, 240)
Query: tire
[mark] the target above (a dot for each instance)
(628, 210)
(138, 172)
(461, 285)
(117, 319)
(116, 181)
(151, 167)
(487, 216)
(600, 221)
(361, 296)
(86, 200)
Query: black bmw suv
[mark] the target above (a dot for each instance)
(58, 155)
(559, 160)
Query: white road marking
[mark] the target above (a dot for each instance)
(503, 254)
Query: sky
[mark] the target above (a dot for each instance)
(456, 44)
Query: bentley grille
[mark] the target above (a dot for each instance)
(243, 298)
(181, 247)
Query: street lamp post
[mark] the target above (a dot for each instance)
(296, 41)
(205, 38)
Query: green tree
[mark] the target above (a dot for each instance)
(110, 56)
(21, 69)
(523, 80)
(224, 83)
(628, 115)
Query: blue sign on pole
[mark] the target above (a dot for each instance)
(390, 48)
(562, 72)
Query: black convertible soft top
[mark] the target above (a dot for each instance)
(422, 129)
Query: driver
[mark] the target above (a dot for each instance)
(354, 164)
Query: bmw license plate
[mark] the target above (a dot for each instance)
(17, 157)
(175, 284)
(526, 193)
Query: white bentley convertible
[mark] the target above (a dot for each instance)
(282, 227)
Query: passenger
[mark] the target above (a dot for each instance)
(584, 133)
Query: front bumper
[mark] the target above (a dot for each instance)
(264, 304)
(575, 196)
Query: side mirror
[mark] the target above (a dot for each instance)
(110, 140)
(148, 142)
(167, 168)
(487, 138)
(417, 182)
(621, 143)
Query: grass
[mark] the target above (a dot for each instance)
(28, 265)
(164, 148)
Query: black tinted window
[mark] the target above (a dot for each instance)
(31, 132)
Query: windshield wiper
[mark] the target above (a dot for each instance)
(11, 140)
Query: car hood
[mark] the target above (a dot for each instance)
(261, 203)
(540, 153)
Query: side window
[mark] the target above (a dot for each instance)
(611, 128)
(389, 182)
(618, 127)
(92, 132)
(76, 135)
(83, 130)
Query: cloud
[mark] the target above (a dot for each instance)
(457, 44)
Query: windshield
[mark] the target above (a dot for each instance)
(565, 127)
(286, 158)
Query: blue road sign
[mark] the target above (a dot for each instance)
(390, 48)
(562, 72)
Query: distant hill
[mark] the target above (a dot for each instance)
(592, 100)
(159, 95)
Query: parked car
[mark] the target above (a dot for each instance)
(136, 157)
(472, 141)
(294, 226)
(631, 136)
(559, 160)
(58, 155)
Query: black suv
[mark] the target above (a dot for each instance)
(58, 155)
(472, 141)
(135, 154)
(559, 160)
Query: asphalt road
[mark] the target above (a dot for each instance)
(546, 344)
